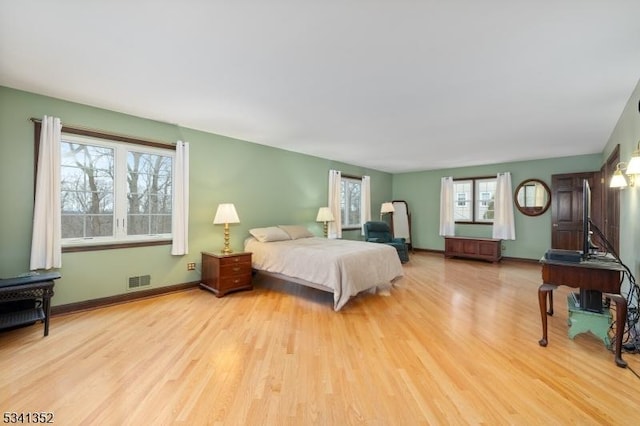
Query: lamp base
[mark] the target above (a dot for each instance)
(226, 249)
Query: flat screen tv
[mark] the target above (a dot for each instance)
(590, 300)
(589, 249)
(587, 245)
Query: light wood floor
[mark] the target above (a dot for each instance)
(456, 342)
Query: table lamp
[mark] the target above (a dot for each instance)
(226, 214)
(386, 208)
(325, 216)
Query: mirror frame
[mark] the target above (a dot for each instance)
(532, 211)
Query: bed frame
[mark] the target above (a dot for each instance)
(293, 280)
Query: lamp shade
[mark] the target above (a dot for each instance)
(618, 180)
(324, 215)
(226, 213)
(633, 168)
(387, 208)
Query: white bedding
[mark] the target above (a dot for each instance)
(346, 267)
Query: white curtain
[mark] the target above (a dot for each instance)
(335, 227)
(504, 223)
(180, 215)
(45, 240)
(365, 202)
(447, 220)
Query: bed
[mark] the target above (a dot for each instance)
(342, 267)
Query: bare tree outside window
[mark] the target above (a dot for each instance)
(350, 194)
(149, 194)
(112, 191)
(87, 176)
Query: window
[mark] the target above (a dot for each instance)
(350, 193)
(474, 200)
(114, 192)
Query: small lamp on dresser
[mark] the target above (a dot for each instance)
(386, 208)
(226, 214)
(325, 216)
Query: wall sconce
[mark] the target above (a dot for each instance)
(386, 208)
(618, 180)
(226, 214)
(631, 170)
(325, 216)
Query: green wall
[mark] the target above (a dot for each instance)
(421, 190)
(268, 187)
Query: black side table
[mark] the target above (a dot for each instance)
(37, 288)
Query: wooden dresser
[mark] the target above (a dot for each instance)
(474, 248)
(222, 273)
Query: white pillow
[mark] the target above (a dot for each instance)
(296, 231)
(269, 234)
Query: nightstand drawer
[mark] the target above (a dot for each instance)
(235, 260)
(232, 282)
(237, 269)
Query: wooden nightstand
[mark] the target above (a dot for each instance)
(222, 273)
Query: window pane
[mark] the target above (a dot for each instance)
(148, 224)
(474, 200)
(485, 193)
(350, 193)
(463, 201)
(105, 183)
(86, 226)
(148, 193)
(86, 175)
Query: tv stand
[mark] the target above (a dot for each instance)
(591, 300)
(584, 321)
(603, 276)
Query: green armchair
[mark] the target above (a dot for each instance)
(380, 232)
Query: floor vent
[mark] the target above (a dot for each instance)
(141, 281)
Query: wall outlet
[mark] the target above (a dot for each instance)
(191, 266)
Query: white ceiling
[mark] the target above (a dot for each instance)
(391, 85)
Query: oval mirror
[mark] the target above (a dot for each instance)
(532, 197)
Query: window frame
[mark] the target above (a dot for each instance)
(475, 199)
(343, 215)
(114, 138)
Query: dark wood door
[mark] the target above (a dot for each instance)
(566, 208)
(611, 201)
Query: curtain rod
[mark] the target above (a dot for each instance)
(350, 176)
(101, 134)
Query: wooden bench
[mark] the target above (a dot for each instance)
(489, 249)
